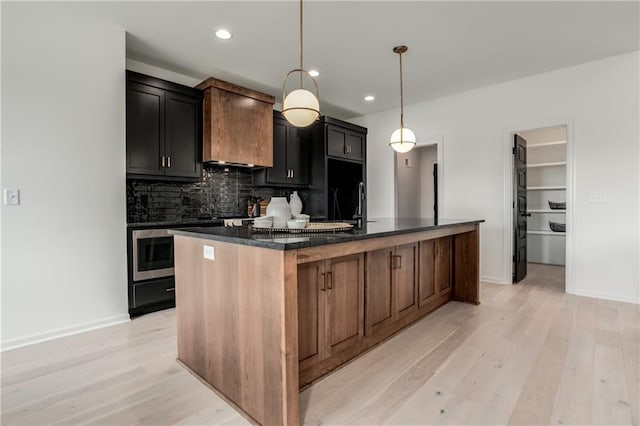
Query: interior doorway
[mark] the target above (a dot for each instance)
(539, 200)
(417, 182)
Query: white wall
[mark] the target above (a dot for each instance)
(599, 101)
(63, 146)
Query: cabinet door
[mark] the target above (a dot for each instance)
(379, 298)
(406, 280)
(183, 135)
(297, 157)
(336, 141)
(145, 129)
(355, 146)
(443, 265)
(426, 281)
(344, 297)
(311, 290)
(279, 172)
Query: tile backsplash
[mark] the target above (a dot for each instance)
(222, 192)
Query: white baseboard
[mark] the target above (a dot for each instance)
(493, 280)
(605, 296)
(62, 332)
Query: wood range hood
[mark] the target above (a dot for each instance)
(238, 124)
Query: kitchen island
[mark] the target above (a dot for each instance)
(261, 315)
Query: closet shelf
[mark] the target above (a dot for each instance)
(537, 145)
(559, 163)
(546, 188)
(557, 234)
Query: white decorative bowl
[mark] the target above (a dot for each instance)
(296, 224)
(263, 222)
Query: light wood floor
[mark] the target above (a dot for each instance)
(529, 354)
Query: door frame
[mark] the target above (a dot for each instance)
(438, 141)
(570, 243)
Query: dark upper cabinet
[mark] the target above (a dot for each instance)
(345, 143)
(164, 128)
(337, 169)
(290, 159)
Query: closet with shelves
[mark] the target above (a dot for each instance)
(546, 184)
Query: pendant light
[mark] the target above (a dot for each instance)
(300, 107)
(402, 139)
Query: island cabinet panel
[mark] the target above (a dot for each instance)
(427, 286)
(330, 308)
(311, 288)
(436, 269)
(237, 325)
(443, 264)
(379, 290)
(391, 286)
(406, 280)
(344, 296)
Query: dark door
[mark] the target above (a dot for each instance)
(279, 173)
(296, 157)
(519, 209)
(182, 143)
(145, 129)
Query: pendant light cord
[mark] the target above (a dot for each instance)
(301, 40)
(401, 103)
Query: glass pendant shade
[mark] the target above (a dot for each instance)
(402, 140)
(301, 108)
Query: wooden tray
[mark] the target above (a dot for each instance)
(312, 228)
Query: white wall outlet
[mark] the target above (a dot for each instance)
(11, 197)
(597, 197)
(209, 253)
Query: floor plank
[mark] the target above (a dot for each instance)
(529, 354)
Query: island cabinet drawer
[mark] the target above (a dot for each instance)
(330, 308)
(153, 292)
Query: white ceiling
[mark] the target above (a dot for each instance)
(453, 46)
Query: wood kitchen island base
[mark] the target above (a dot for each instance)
(270, 315)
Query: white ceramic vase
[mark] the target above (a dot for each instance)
(296, 203)
(280, 210)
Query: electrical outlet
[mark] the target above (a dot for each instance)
(597, 197)
(209, 253)
(11, 197)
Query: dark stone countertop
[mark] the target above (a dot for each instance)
(375, 228)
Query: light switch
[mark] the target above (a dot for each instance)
(597, 197)
(209, 253)
(11, 197)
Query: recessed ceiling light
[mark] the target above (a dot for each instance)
(369, 98)
(314, 73)
(223, 34)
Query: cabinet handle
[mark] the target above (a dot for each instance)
(399, 262)
(293, 173)
(163, 161)
(349, 149)
(169, 162)
(324, 281)
(170, 289)
(330, 280)
(393, 261)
